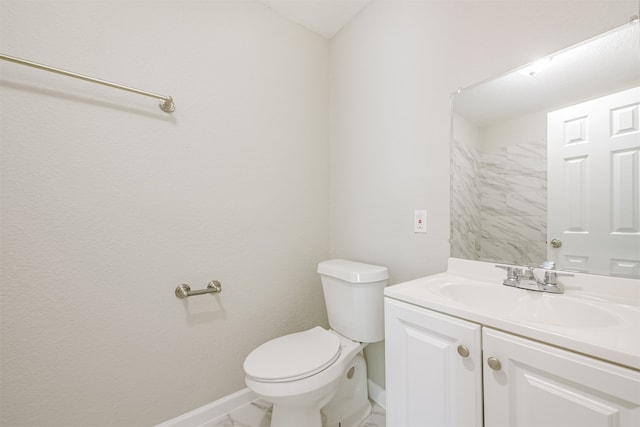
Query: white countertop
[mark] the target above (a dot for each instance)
(597, 315)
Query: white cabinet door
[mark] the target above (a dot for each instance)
(542, 386)
(428, 383)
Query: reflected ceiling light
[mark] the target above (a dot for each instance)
(536, 67)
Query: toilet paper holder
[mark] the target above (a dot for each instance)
(184, 290)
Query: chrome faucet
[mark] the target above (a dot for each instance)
(524, 277)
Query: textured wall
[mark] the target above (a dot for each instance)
(108, 204)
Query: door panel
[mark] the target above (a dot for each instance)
(594, 185)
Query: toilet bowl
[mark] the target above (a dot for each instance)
(300, 390)
(301, 373)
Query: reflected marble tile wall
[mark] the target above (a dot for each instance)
(513, 203)
(499, 202)
(465, 201)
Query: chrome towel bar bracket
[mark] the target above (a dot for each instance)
(184, 290)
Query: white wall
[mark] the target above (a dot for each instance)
(108, 203)
(393, 70)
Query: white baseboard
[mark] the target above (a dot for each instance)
(377, 394)
(207, 413)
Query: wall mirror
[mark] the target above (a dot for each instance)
(545, 161)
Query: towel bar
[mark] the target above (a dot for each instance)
(166, 105)
(184, 290)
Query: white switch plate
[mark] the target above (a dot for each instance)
(420, 221)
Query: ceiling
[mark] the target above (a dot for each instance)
(605, 64)
(324, 17)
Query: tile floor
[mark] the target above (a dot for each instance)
(258, 414)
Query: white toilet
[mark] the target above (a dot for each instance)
(318, 377)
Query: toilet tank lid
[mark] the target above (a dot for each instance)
(351, 271)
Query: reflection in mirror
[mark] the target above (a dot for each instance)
(545, 161)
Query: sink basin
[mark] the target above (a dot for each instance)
(496, 299)
(523, 305)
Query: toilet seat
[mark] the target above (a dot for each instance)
(293, 357)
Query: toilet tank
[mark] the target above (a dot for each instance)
(354, 295)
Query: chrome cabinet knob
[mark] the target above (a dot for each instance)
(494, 363)
(555, 243)
(463, 351)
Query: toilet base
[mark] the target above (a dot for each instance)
(350, 407)
(355, 418)
(295, 417)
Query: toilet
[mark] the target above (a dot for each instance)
(318, 377)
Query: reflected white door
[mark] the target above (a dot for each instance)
(594, 185)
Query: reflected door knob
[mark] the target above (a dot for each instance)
(494, 363)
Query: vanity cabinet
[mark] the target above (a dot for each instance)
(433, 368)
(447, 372)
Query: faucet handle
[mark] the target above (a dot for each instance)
(511, 270)
(512, 274)
(551, 277)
